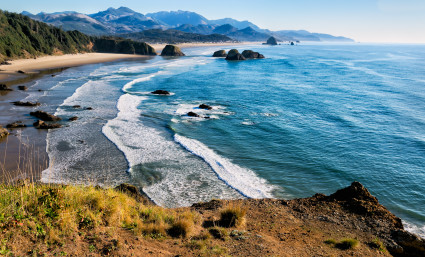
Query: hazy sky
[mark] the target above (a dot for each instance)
(363, 20)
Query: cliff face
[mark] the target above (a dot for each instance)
(124, 46)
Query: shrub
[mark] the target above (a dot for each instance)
(181, 228)
(347, 244)
(232, 216)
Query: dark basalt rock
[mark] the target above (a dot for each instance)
(21, 71)
(271, 41)
(292, 43)
(355, 191)
(171, 50)
(249, 54)
(29, 104)
(73, 118)
(220, 53)
(205, 107)
(410, 245)
(3, 132)
(234, 55)
(45, 116)
(17, 124)
(192, 114)
(160, 92)
(3, 87)
(43, 125)
(89, 108)
(76, 106)
(23, 88)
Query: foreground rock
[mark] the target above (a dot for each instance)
(3, 132)
(43, 125)
(271, 41)
(234, 55)
(220, 53)
(17, 124)
(205, 107)
(160, 92)
(28, 104)
(73, 118)
(193, 114)
(172, 50)
(23, 88)
(45, 116)
(249, 54)
(3, 87)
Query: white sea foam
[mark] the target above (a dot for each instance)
(241, 179)
(420, 231)
(138, 80)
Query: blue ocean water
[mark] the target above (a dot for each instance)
(307, 119)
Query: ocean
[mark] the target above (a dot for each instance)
(310, 118)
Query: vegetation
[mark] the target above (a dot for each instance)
(345, 244)
(124, 46)
(21, 36)
(232, 216)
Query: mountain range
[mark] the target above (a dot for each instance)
(125, 21)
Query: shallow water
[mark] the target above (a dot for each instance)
(307, 119)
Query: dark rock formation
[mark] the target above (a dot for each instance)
(234, 55)
(292, 43)
(29, 104)
(17, 124)
(3, 132)
(73, 118)
(43, 125)
(220, 53)
(76, 106)
(160, 92)
(171, 50)
(89, 108)
(122, 46)
(271, 41)
(249, 54)
(409, 245)
(192, 114)
(21, 71)
(45, 116)
(23, 88)
(3, 87)
(205, 107)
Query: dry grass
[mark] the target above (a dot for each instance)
(232, 216)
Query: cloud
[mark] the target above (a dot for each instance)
(401, 5)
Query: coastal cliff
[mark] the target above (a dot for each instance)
(80, 221)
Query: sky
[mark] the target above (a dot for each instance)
(392, 21)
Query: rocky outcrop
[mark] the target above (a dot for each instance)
(73, 118)
(271, 41)
(171, 50)
(3, 87)
(17, 124)
(220, 53)
(45, 116)
(3, 132)
(205, 107)
(193, 114)
(133, 192)
(122, 46)
(21, 71)
(160, 92)
(28, 104)
(23, 88)
(249, 54)
(43, 125)
(234, 55)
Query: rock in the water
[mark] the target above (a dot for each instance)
(45, 116)
(76, 106)
(23, 88)
(249, 54)
(234, 55)
(192, 114)
(160, 92)
(3, 87)
(292, 43)
(17, 124)
(29, 104)
(171, 50)
(205, 107)
(220, 53)
(89, 108)
(3, 132)
(73, 118)
(21, 71)
(43, 125)
(5, 63)
(271, 41)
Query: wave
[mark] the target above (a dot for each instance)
(245, 181)
(420, 231)
(138, 80)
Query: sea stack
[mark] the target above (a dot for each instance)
(172, 50)
(220, 53)
(249, 54)
(271, 41)
(234, 55)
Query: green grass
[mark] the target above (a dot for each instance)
(345, 244)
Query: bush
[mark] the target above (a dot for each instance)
(232, 216)
(347, 244)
